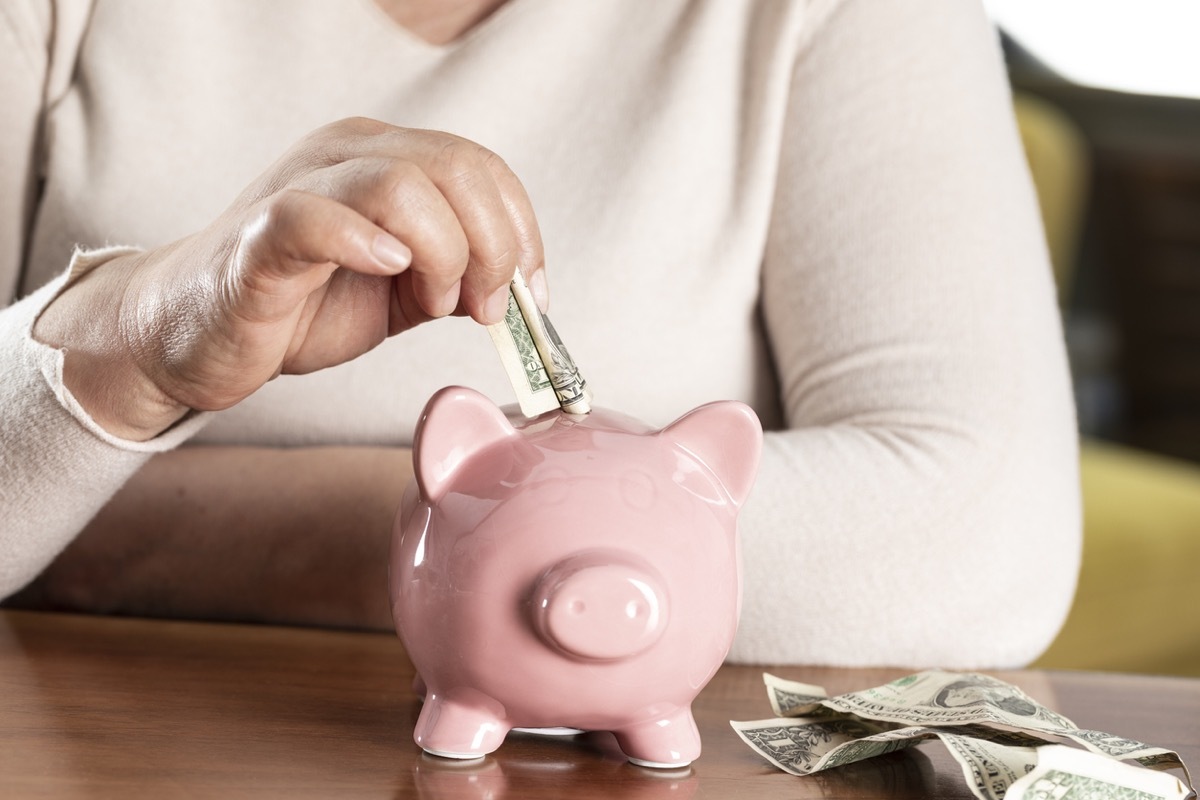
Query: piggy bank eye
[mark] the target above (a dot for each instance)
(637, 490)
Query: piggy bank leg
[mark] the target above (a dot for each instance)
(665, 743)
(459, 727)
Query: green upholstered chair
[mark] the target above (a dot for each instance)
(1137, 608)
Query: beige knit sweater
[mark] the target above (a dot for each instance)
(819, 208)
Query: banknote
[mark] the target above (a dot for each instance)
(997, 734)
(938, 698)
(541, 371)
(787, 696)
(1065, 773)
(991, 760)
(996, 769)
(803, 746)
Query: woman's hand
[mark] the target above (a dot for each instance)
(361, 231)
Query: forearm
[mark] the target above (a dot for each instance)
(868, 545)
(292, 536)
(924, 507)
(57, 466)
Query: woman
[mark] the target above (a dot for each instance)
(819, 208)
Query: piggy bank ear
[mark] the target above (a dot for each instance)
(460, 434)
(727, 438)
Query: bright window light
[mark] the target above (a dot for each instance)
(1142, 46)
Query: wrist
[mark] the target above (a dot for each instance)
(99, 369)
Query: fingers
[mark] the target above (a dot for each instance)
(531, 255)
(361, 230)
(462, 211)
(290, 243)
(460, 171)
(294, 229)
(400, 197)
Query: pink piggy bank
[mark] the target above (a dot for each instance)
(570, 571)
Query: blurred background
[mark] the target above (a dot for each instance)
(1107, 97)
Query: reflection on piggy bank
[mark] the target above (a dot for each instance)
(569, 571)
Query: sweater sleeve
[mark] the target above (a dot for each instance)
(58, 467)
(922, 506)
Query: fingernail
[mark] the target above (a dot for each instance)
(539, 290)
(391, 252)
(449, 301)
(496, 306)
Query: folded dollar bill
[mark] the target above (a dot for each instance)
(1000, 737)
(538, 366)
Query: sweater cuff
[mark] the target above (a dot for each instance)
(49, 360)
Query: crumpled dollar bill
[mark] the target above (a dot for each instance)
(1007, 744)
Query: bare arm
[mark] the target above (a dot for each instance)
(292, 536)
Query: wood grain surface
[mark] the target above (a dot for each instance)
(102, 707)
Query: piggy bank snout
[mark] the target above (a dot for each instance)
(600, 606)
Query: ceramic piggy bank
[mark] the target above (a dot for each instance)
(571, 571)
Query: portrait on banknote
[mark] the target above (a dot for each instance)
(965, 693)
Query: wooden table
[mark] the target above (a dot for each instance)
(100, 707)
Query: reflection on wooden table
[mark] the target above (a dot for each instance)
(100, 707)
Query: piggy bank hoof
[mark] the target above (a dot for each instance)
(455, 756)
(668, 743)
(640, 762)
(457, 729)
